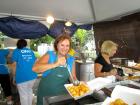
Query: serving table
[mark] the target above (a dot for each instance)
(94, 99)
(133, 68)
(68, 100)
(109, 88)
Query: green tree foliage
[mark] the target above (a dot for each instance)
(35, 42)
(2, 37)
(81, 37)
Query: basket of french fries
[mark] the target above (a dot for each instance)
(79, 91)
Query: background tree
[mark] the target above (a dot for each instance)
(35, 42)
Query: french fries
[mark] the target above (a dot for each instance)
(79, 90)
(119, 102)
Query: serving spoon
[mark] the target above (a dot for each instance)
(74, 82)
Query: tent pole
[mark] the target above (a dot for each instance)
(23, 16)
(91, 4)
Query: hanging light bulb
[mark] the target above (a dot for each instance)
(50, 19)
(68, 23)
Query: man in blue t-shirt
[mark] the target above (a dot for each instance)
(4, 75)
(23, 59)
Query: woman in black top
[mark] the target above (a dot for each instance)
(103, 66)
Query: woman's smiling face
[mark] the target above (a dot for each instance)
(63, 47)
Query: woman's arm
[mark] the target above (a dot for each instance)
(42, 65)
(97, 70)
(13, 69)
(98, 73)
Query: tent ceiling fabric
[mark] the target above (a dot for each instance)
(30, 29)
(78, 11)
(59, 27)
(22, 29)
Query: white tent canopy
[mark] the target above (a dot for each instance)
(78, 11)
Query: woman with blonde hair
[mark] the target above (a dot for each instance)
(103, 66)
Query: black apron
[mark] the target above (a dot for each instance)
(53, 84)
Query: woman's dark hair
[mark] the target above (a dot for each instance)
(21, 43)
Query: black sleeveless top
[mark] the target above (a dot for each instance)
(106, 67)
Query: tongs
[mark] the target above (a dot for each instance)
(74, 82)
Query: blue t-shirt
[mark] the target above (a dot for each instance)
(24, 59)
(3, 61)
(53, 58)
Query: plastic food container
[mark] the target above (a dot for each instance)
(128, 95)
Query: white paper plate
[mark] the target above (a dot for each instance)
(76, 98)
